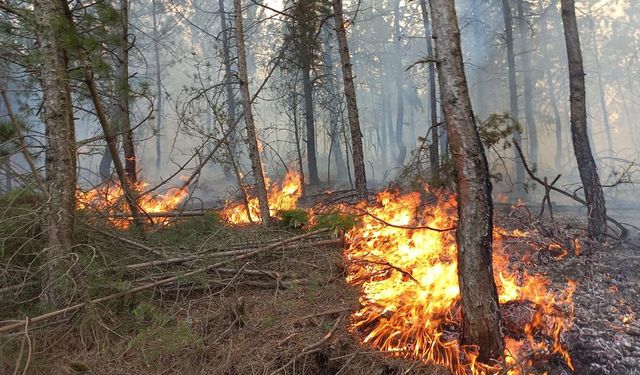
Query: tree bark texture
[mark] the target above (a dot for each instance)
(123, 119)
(597, 227)
(527, 81)
(481, 315)
(352, 105)
(434, 148)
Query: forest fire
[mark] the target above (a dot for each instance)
(282, 196)
(410, 297)
(109, 198)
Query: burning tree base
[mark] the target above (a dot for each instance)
(406, 270)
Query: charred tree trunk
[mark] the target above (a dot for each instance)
(123, 96)
(252, 136)
(307, 87)
(352, 105)
(399, 77)
(597, 227)
(532, 132)
(481, 315)
(60, 162)
(513, 90)
(434, 148)
(156, 56)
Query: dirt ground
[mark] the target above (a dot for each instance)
(294, 321)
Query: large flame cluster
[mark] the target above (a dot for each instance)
(282, 196)
(109, 200)
(410, 298)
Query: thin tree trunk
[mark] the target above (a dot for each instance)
(307, 86)
(252, 137)
(399, 77)
(597, 226)
(434, 148)
(532, 132)
(557, 119)
(352, 105)
(296, 133)
(123, 96)
(159, 109)
(513, 90)
(60, 162)
(481, 315)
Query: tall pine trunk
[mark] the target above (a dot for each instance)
(307, 87)
(597, 226)
(480, 311)
(252, 136)
(123, 118)
(434, 148)
(352, 105)
(532, 132)
(60, 161)
(158, 104)
(399, 77)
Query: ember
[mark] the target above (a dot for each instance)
(109, 199)
(280, 198)
(410, 295)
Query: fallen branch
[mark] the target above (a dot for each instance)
(20, 323)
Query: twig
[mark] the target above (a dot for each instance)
(124, 239)
(19, 323)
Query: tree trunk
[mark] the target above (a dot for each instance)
(307, 87)
(597, 227)
(123, 96)
(481, 315)
(513, 90)
(399, 77)
(60, 161)
(352, 105)
(558, 121)
(159, 109)
(434, 148)
(532, 132)
(252, 136)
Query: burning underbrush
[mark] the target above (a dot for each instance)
(281, 197)
(108, 200)
(403, 258)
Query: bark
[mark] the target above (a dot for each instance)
(434, 148)
(159, 109)
(399, 77)
(558, 121)
(60, 162)
(481, 315)
(104, 169)
(307, 87)
(296, 133)
(532, 132)
(123, 96)
(597, 226)
(252, 137)
(513, 89)
(352, 105)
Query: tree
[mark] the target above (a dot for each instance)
(122, 88)
(523, 27)
(597, 213)
(480, 311)
(60, 163)
(252, 137)
(434, 154)
(399, 82)
(352, 104)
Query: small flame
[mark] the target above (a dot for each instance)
(281, 197)
(109, 198)
(410, 298)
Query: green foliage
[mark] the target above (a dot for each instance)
(294, 219)
(498, 128)
(19, 225)
(159, 333)
(190, 230)
(336, 221)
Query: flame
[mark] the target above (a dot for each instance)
(410, 298)
(109, 199)
(281, 197)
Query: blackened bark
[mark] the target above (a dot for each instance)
(481, 315)
(123, 95)
(352, 105)
(527, 81)
(60, 162)
(252, 136)
(434, 148)
(307, 86)
(597, 226)
(513, 89)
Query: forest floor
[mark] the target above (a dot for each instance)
(284, 309)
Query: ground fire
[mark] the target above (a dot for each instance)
(410, 296)
(282, 196)
(108, 199)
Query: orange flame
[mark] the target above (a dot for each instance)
(410, 295)
(280, 198)
(109, 198)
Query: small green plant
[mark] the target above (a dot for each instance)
(294, 219)
(336, 221)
